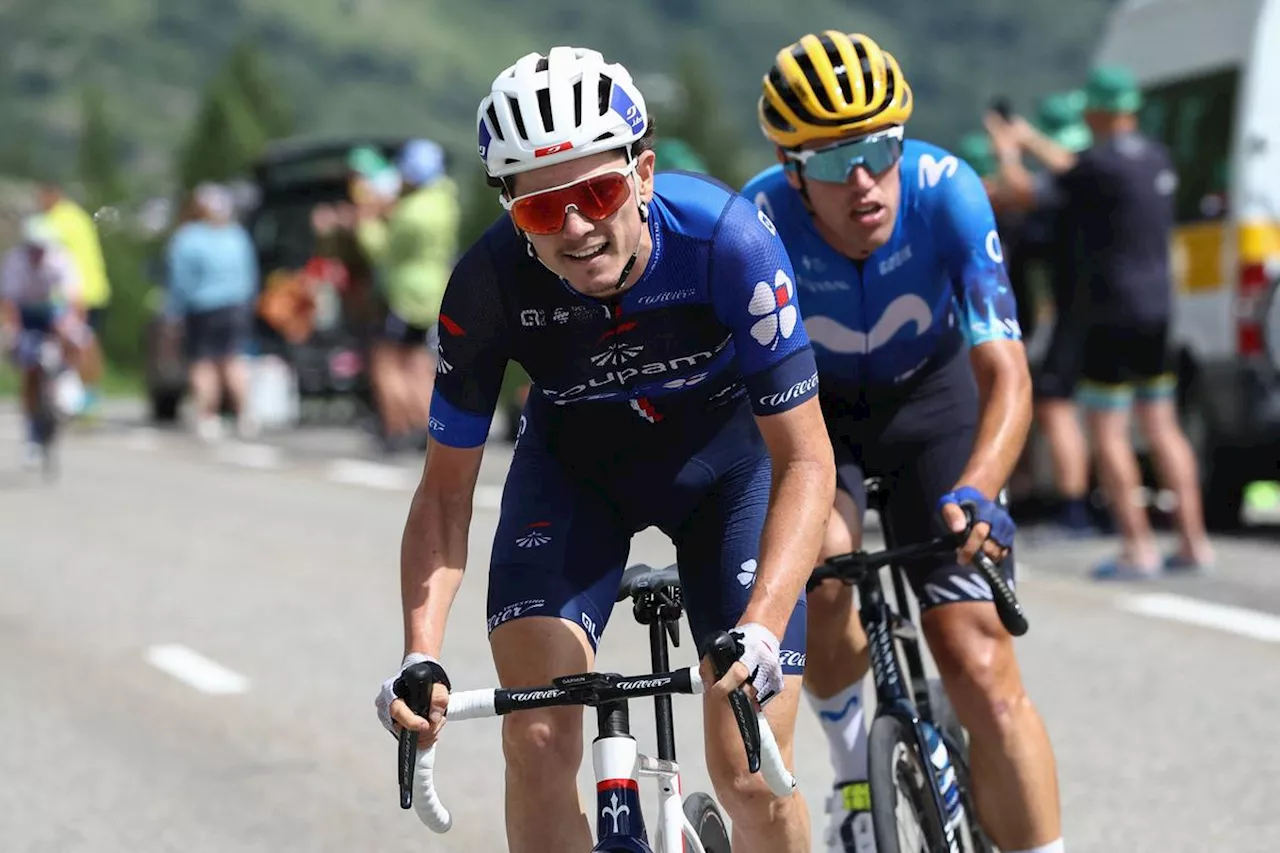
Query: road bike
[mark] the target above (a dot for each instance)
(697, 820)
(917, 757)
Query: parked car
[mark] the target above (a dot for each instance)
(289, 179)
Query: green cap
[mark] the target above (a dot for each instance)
(677, 154)
(1057, 111)
(975, 149)
(367, 161)
(1112, 89)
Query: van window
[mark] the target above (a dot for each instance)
(1194, 118)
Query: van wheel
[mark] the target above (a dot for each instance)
(1223, 466)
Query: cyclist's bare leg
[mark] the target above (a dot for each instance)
(543, 747)
(836, 646)
(762, 823)
(1015, 781)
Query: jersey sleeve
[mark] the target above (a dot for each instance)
(970, 243)
(473, 352)
(754, 293)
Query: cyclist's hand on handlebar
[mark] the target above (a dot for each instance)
(992, 531)
(395, 713)
(759, 668)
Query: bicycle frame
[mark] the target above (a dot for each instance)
(618, 763)
(883, 625)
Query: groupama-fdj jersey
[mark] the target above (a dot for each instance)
(713, 314)
(888, 334)
(640, 412)
(939, 281)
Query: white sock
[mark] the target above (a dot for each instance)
(1051, 847)
(842, 717)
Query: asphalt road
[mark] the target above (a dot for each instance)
(278, 563)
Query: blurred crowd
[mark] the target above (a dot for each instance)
(1084, 205)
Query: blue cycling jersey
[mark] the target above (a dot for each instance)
(713, 317)
(939, 281)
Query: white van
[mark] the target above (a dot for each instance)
(1210, 74)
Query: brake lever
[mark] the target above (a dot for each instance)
(725, 650)
(414, 686)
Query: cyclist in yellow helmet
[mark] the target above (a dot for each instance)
(923, 380)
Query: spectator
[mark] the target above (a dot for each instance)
(75, 230)
(1054, 246)
(1118, 194)
(412, 252)
(213, 278)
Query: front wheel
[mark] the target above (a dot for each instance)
(708, 822)
(903, 811)
(972, 837)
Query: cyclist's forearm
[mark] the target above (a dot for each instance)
(799, 504)
(433, 553)
(1004, 395)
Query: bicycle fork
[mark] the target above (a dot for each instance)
(892, 695)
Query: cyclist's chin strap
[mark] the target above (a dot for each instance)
(631, 262)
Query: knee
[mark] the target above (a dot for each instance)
(545, 742)
(747, 799)
(976, 660)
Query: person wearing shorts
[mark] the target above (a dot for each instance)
(212, 275)
(925, 381)
(1119, 194)
(672, 386)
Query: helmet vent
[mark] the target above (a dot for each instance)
(519, 118)
(493, 122)
(544, 107)
(811, 75)
(577, 104)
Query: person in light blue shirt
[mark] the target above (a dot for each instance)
(212, 279)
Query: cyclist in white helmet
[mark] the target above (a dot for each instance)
(672, 387)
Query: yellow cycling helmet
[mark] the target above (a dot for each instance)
(809, 93)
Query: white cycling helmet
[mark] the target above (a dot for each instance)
(548, 109)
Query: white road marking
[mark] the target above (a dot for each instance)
(1235, 620)
(262, 456)
(196, 670)
(375, 475)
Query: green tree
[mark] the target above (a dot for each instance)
(696, 119)
(241, 111)
(98, 162)
(263, 98)
(225, 138)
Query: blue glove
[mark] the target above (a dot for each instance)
(984, 510)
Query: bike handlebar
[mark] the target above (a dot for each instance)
(417, 775)
(851, 567)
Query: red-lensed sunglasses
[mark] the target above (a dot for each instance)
(597, 197)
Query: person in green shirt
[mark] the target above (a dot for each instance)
(412, 251)
(78, 234)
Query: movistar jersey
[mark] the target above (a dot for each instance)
(713, 317)
(939, 281)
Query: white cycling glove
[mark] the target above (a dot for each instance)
(387, 694)
(760, 656)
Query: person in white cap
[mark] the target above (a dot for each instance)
(39, 296)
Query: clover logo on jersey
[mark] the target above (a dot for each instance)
(776, 308)
(747, 576)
